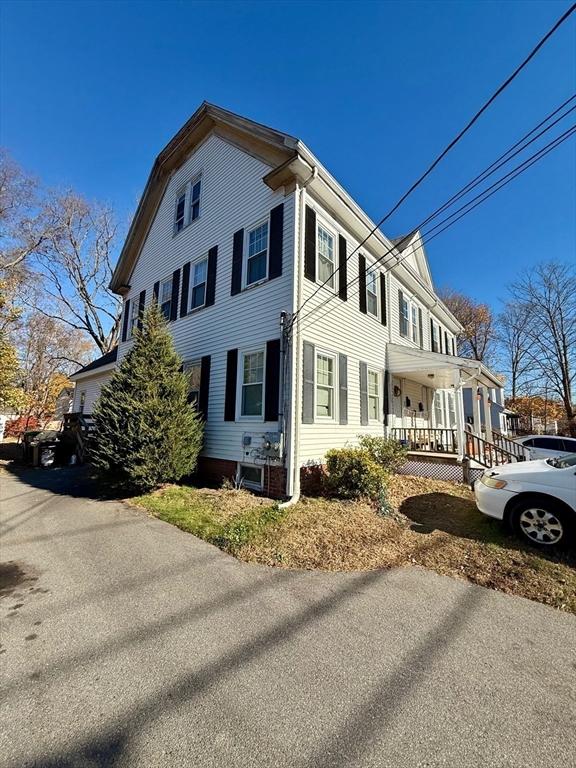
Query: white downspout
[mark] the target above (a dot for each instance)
(293, 469)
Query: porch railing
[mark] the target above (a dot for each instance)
(426, 439)
(508, 445)
(486, 453)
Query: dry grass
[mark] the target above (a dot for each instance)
(438, 528)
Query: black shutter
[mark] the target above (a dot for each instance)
(125, 319)
(446, 343)
(400, 315)
(342, 269)
(363, 394)
(432, 335)
(420, 328)
(308, 356)
(383, 313)
(141, 305)
(310, 245)
(362, 282)
(155, 292)
(272, 385)
(204, 386)
(276, 241)
(237, 252)
(175, 292)
(343, 389)
(231, 374)
(185, 286)
(454, 346)
(211, 276)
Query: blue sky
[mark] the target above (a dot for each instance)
(91, 91)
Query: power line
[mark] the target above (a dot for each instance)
(482, 177)
(454, 141)
(502, 182)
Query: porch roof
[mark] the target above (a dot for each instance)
(436, 370)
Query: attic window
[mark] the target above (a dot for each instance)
(180, 212)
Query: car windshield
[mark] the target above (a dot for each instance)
(563, 462)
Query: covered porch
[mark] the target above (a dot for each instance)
(425, 407)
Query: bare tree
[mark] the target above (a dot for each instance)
(24, 226)
(477, 340)
(548, 295)
(514, 346)
(74, 269)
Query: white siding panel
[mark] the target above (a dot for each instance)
(233, 197)
(339, 326)
(91, 386)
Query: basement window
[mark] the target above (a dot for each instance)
(251, 476)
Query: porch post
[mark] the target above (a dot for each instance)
(476, 410)
(459, 407)
(487, 413)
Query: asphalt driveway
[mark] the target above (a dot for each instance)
(126, 642)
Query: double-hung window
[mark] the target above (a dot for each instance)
(404, 316)
(325, 243)
(257, 254)
(180, 212)
(414, 322)
(373, 395)
(438, 409)
(435, 337)
(193, 370)
(372, 291)
(187, 207)
(133, 323)
(198, 275)
(252, 395)
(325, 369)
(165, 298)
(195, 199)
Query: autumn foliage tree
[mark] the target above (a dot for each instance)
(478, 337)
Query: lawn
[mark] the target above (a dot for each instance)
(433, 524)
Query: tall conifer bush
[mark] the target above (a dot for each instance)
(146, 433)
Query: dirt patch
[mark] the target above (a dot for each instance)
(14, 575)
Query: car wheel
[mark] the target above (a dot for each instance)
(540, 522)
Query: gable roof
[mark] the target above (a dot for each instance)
(108, 359)
(289, 160)
(267, 144)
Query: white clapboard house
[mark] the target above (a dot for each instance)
(240, 229)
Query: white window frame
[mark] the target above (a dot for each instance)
(436, 330)
(186, 193)
(82, 401)
(250, 229)
(414, 325)
(329, 231)
(438, 406)
(332, 356)
(406, 317)
(133, 319)
(252, 486)
(196, 180)
(371, 271)
(186, 366)
(169, 279)
(191, 286)
(240, 384)
(378, 396)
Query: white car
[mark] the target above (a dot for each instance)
(536, 498)
(546, 446)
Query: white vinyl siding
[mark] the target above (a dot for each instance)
(233, 194)
(90, 386)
